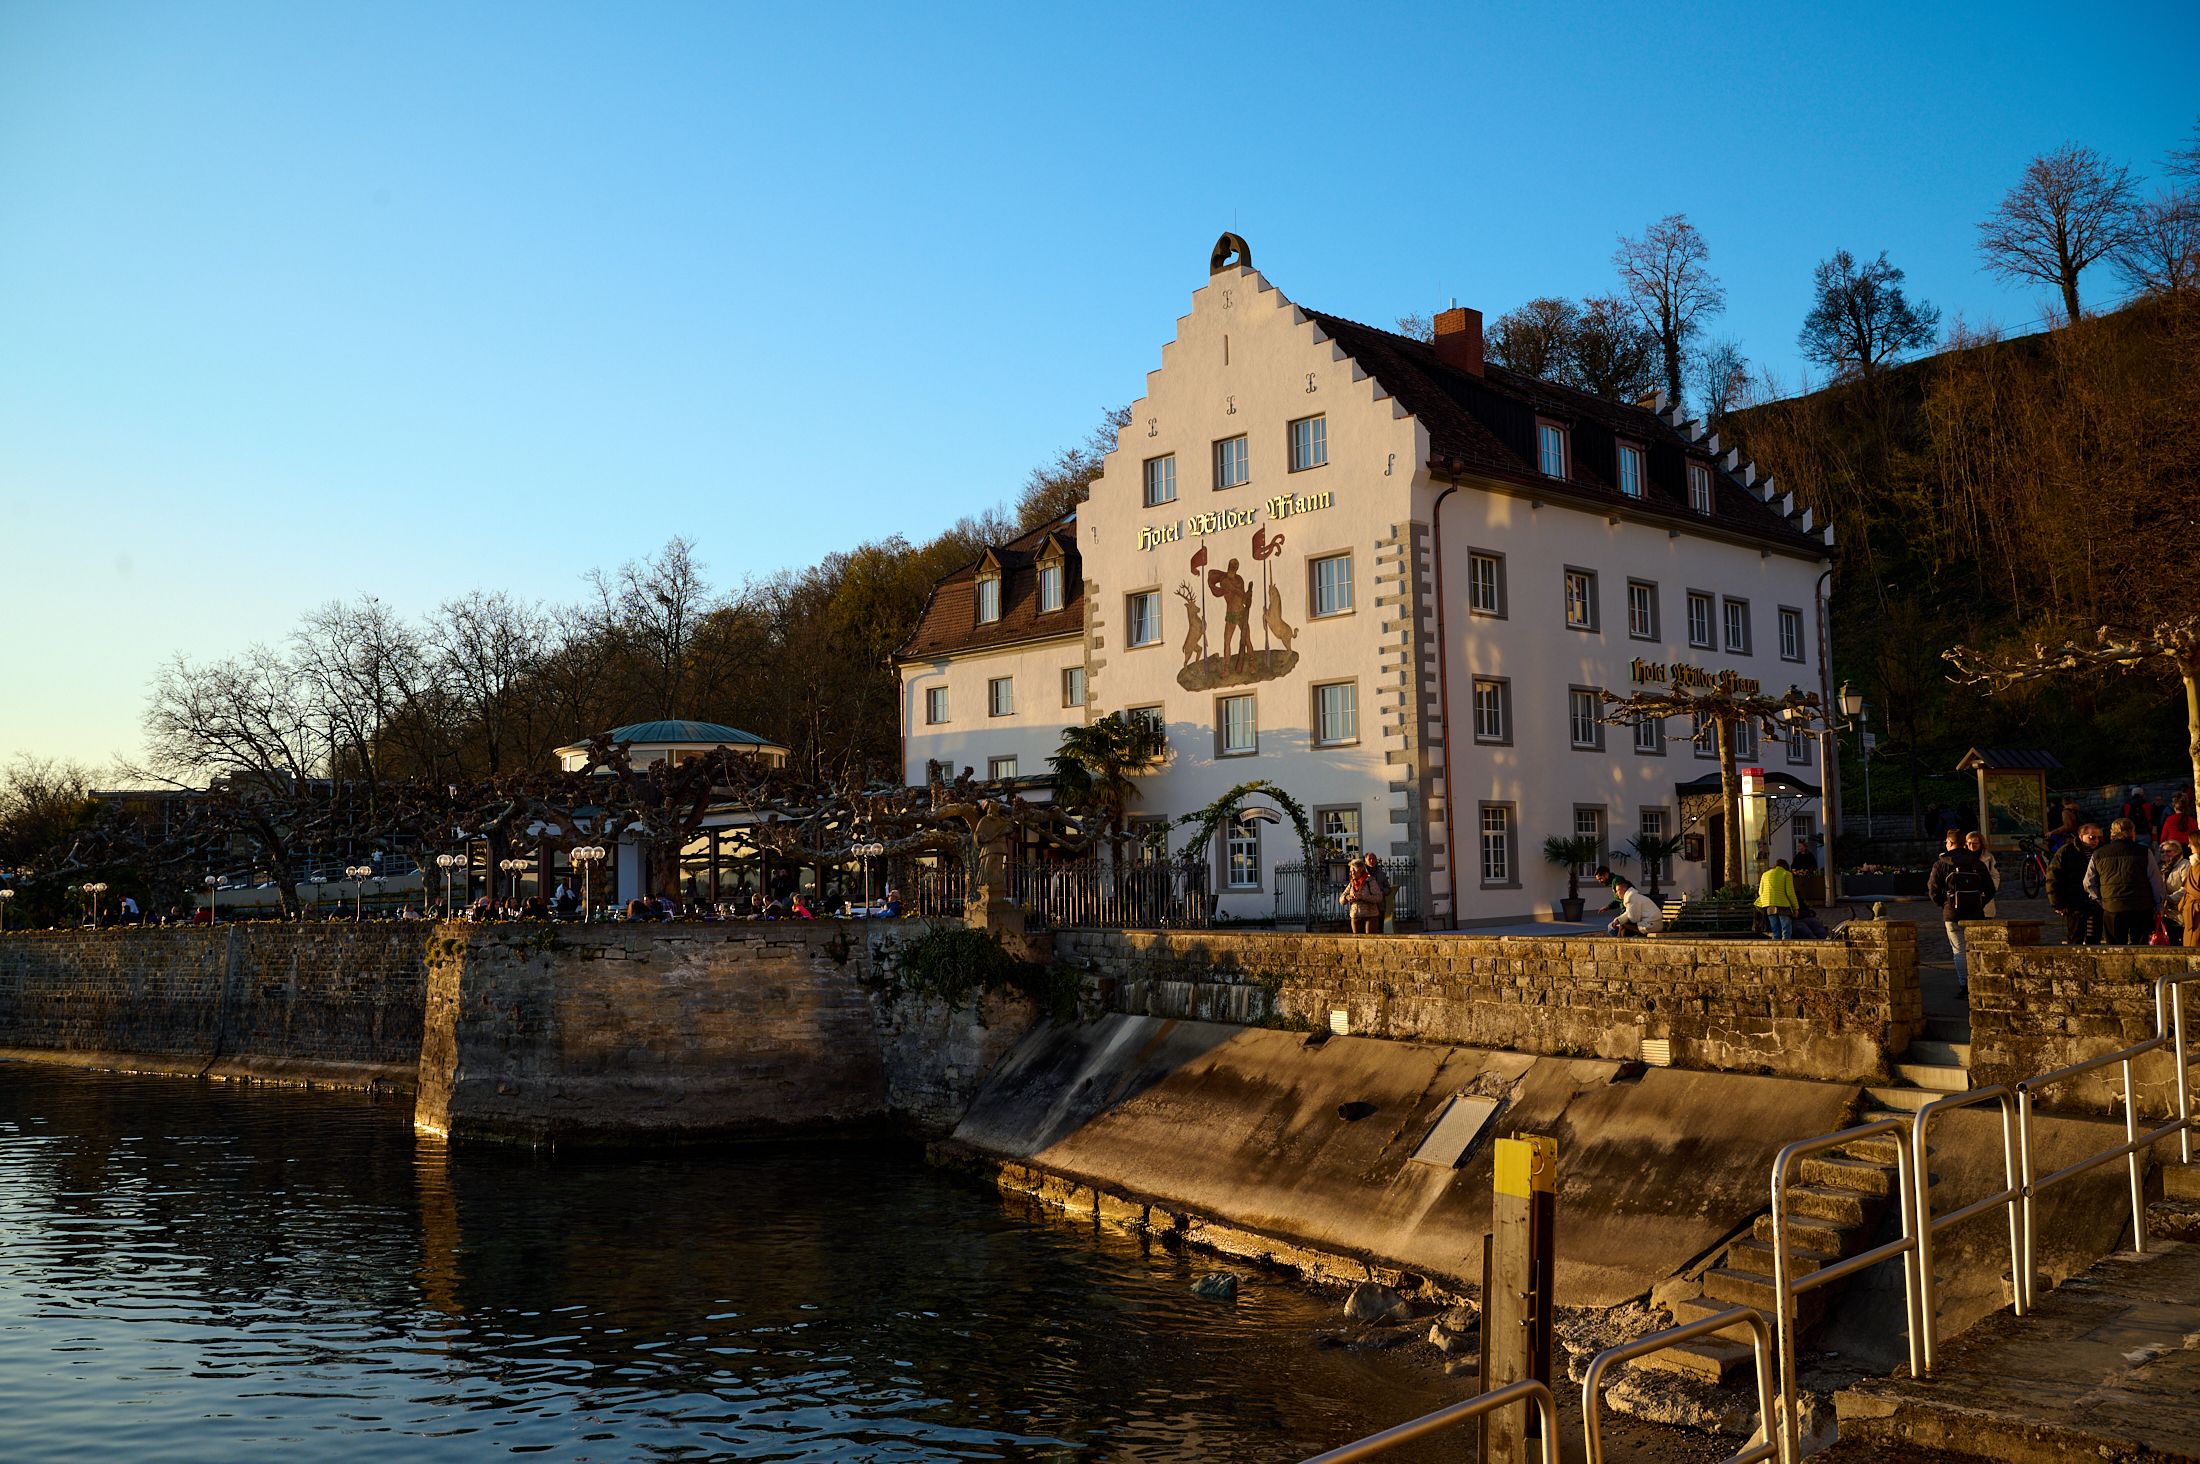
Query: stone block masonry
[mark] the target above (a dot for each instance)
(1836, 1010)
(331, 1004)
(2035, 1008)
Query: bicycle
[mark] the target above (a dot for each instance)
(2032, 869)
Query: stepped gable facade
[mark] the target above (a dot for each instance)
(1392, 578)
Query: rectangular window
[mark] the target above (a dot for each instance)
(1642, 610)
(1699, 620)
(1699, 487)
(1337, 713)
(1309, 443)
(1160, 480)
(998, 768)
(1581, 599)
(1341, 827)
(1151, 717)
(1492, 709)
(1073, 686)
(1803, 826)
(1497, 844)
(1550, 441)
(1745, 740)
(1242, 858)
(1332, 584)
(989, 599)
(1737, 626)
(1233, 465)
(935, 705)
(1050, 587)
(1798, 746)
(1149, 838)
(1791, 634)
(1630, 470)
(1142, 617)
(1485, 583)
(1650, 736)
(1582, 707)
(1589, 824)
(1000, 696)
(1705, 735)
(1236, 732)
(1653, 826)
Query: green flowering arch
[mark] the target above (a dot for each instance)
(1205, 821)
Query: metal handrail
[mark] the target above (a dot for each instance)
(1531, 1389)
(2169, 991)
(2010, 1197)
(1786, 1289)
(1760, 1346)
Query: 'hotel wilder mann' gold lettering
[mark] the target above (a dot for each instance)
(1199, 525)
(1680, 673)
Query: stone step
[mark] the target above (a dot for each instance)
(1852, 1174)
(2181, 1181)
(1696, 1308)
(1902, 1101)
(1756, 1255)
(1949, 1029)
(1939, 1053)
(1878, 1149)
(1748, 1288)
(1827, 1202)
(1824, 1236)
(1707, 1358)
(1933, 1076)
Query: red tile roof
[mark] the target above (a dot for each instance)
(949, 623)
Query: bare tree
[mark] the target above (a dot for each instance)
(2184, 162)
(1416, 327)
(367, 674)
(1613, 355)
(1663, 276)
(1722, 379)
(1059, 486)
(1537, 339)
(2161, 248)
(1861, 318)
(2071, 208)
(487, 650)
(650, 612)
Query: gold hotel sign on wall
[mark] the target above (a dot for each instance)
(1221, 520)
(1680, 673)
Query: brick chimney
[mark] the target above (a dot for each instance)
(1459, 339)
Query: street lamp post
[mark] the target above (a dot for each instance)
(5, 896)
(213, 909)
(95, 890)
(867, 853)
(359, 874)
(513, 867)
(588, 856)
(447, 863)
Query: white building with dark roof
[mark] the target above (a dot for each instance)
(1393, 579)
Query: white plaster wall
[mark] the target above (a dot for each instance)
(1541, 772)
(971, 738)
(1242, 362)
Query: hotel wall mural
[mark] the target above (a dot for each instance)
(1235, 662)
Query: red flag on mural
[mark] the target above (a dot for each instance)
(1265, 547)
(1199, 560)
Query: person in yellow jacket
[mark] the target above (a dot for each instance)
(1776, 897)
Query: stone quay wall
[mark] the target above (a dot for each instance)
(2035, 1008)
(319, 1003)
(637, 1034)
(1840, 1009)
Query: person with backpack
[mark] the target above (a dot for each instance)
(2066, 889)
(2127, 884)
(1962, 887)
(1365, 894)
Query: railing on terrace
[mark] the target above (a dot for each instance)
(1312, 894)
(1104, 891)
(935, 890)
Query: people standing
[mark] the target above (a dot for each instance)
(1961, 887)
(1776, 897)
(1976, 843)
(2176, 862)
(2143, 813)
(1365, 895)
(2067, 890)
(2126, 883)
(2178, 825)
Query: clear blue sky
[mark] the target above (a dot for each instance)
(301, 301)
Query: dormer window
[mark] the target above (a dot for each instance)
(989, 597)
(1699, 487)
(1550, 446)
(1050, 586)
(1630, 470)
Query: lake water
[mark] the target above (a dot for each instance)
(207, 1272)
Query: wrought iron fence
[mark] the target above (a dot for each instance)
(935, 890)
(1125, 893)
(1313, 894)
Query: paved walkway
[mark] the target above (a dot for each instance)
(2107, 1367)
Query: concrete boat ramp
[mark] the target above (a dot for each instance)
(2106, 1368)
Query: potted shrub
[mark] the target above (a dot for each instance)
(1571, 853)
(1653, 850)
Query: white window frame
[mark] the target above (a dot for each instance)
(1496, 830)
(1587, 579)
(935, 706)
(1584, 702)
(1330, 823)
(1500, 688)
(1314, 451)
(1745, 740)
(1708, 603)
(1650, 737)
(1225, 744)
(1344, 605)
(1131, 601)
(1157, 715)
(993, 770)
(1727, 622)
(1791, 618)
(1241, 837)
(1073, 686)
(1656, 821)
(1323, 736)
(1241, 460)
(1051, 582)
(1699, 488)
(1589, 823)
(1486, 583)
(1703, 734)
(1628, 456)
(1160, 480)
(1550, 435)
(1798, 743)
(1000, 696)
(988, 598)
(1642, 627)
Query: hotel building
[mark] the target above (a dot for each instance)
(1393, 579)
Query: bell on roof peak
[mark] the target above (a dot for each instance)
(1230, 251)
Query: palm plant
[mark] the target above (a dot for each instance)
(1653, 850)
(1573, 852)
(1094, 765)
